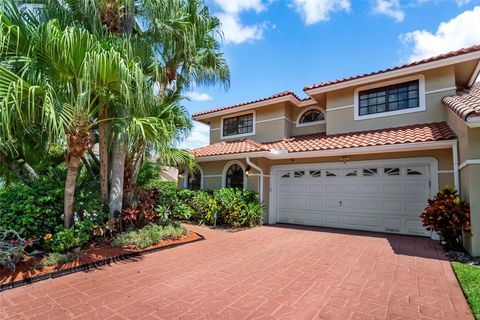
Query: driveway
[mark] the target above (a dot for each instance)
(272, 272)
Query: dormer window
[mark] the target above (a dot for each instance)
(241, 125)
(311, 116)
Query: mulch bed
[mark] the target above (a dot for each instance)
(93, 256)
(224, 228)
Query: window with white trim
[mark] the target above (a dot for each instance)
(238, 125)
(234, 177)
(390, 98)
(313, 115)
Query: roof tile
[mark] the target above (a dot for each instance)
(411, 64)
(317, 142)
(465, 103)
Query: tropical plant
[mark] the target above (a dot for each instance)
(150, 235)
(67, 239)
(447, 214)
(12, 248)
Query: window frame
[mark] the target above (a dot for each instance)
(234, 115)
(225, 171)
(187, 177)
(421, 98)
(300, 115)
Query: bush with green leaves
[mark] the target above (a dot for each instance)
(238, 207)
(149, 235)
(65, 240)
(55, 258)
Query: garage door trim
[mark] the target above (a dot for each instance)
(350, 164)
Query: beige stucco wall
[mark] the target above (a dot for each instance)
(342, 120)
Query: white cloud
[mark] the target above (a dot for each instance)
(237, 6)
(234, 30)
(462, 2)
(314, 11)
(454, 34)
(199, 137)
(390, 8)
(198, 96)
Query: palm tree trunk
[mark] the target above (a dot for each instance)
(73, 165)
(136, 164)
(102, 148)
(118, 164)
(13, 165)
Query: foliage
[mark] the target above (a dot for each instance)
(447, 215)
(238, 207)
(149, 175)
(55, 258)
(12, 248)
(149, 235)
(469, 278)
(145, 211)
(37, 209)
(67, 239)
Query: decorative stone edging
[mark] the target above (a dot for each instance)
(91, 265)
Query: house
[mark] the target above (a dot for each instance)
(364, 152)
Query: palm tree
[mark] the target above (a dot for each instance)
(57, 81)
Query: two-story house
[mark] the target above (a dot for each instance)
(364, 152)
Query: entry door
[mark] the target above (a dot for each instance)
(385, 197)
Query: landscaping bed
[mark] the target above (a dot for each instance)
(95, 254)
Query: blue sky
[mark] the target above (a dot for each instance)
(277, 45)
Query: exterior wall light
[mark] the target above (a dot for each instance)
(247, 170)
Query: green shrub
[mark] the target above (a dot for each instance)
(64, 240)
(149, 175)
(203, 206)
(55, 258)
(149, 235)
(238, 207)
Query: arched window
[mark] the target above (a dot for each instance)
(234, 177)
(195, 180)
(313, 115)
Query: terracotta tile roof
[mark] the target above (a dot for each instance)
(411, 64)
(318, 142)
(466, 103)
(277, 95)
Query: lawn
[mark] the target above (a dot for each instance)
(469, 278)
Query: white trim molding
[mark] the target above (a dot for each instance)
(298, 124)
(340, 108)
(396, 73)
(215, 129)
(233, 115)
(227, 166)
(440, 90)
(275, 119)
(446, 171)
(421, 98)
(468, 162)
(473, 122)
(475, 74)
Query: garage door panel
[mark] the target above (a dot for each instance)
(385, 198)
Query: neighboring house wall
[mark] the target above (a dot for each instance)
(340, 105)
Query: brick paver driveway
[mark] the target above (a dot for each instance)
(272, 272)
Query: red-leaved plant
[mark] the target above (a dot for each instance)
(447, 215)
(144, 213)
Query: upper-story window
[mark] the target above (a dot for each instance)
(239, 125)
(390, 98)
(310, 116)
(396, 97)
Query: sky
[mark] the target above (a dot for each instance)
(277, 45)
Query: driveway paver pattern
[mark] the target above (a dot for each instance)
(271, 272)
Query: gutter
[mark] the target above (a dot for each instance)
(473, 122)
(254, 166)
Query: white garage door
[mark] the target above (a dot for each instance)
(385, 196)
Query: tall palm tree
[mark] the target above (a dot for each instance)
(57, 80)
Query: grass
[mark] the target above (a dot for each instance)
(149, 235)
(469, 278)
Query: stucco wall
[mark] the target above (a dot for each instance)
(342, 120)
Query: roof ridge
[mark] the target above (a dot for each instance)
(452, 53)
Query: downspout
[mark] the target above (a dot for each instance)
(456, 180)
(254, 166)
